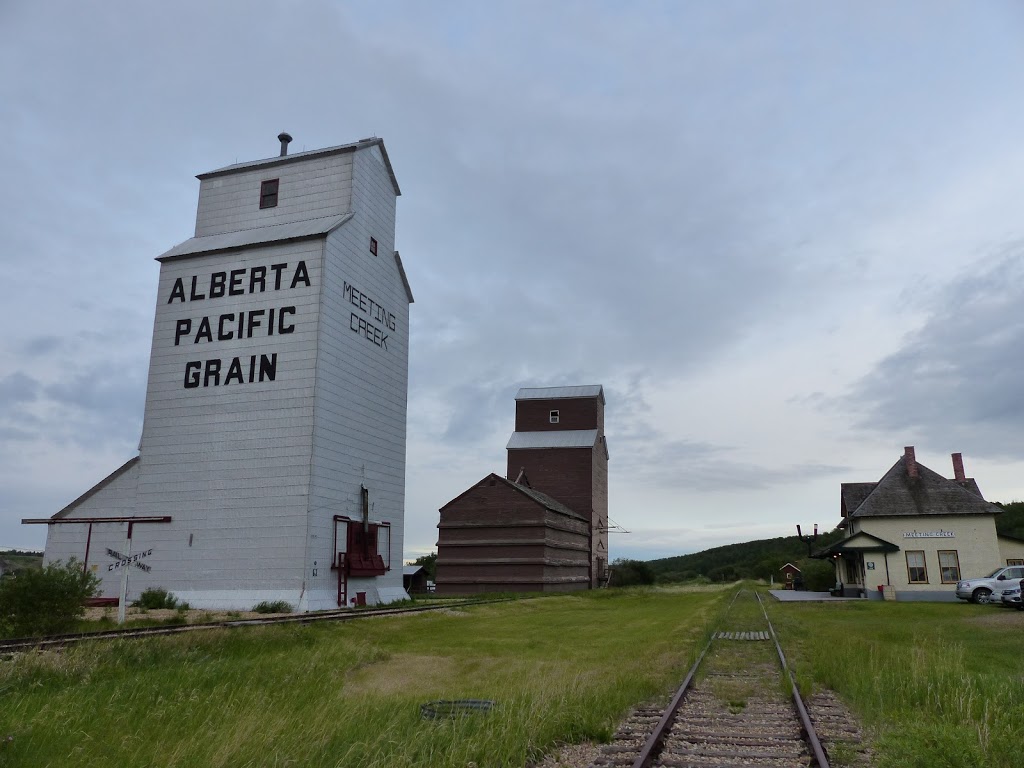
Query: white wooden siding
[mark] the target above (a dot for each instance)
(308, 189)
(68, 540)
(230, 463)
(360, 421)
(253, 473)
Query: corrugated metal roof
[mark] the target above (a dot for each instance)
(567, 438)
(275, 233)
(411, 570)
(361, 144)
(549, 393)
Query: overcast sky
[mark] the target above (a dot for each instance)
(787, 237)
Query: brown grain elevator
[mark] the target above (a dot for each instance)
(543, 527)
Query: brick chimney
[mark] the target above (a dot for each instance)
(910, 460)
(958, 468)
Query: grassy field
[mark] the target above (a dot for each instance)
(939, 684)
(935, 684)
(22, 561)
(559, 669)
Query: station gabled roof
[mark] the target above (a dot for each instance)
(853, 495)
(902, 494)
(561, 393)
(858, 542)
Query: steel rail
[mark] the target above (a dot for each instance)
(60, 641)
(654, 742)
(805, 718)
(652, 746)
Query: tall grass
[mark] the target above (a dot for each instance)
(938, 684)
(559, 669)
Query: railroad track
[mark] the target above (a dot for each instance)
(738, 706)
(17, 645)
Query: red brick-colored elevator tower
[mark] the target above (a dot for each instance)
(559, 443)
(543, 527)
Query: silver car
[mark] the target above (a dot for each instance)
(989, 589)
(1012, 597)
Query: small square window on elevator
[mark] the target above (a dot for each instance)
(268, 193)
(553, 417)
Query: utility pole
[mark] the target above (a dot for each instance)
(809, 539)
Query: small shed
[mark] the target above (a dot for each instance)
(414, 579)
(792, 577)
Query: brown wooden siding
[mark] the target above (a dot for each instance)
(576, 413)
(564, 474)
(496, 538)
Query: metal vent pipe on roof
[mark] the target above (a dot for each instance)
(284, 138)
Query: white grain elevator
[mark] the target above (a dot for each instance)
(275, 422)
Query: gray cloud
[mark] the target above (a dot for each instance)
(592, 194)
(657, 461)
(957, 380)
(18, 388)
(41, 346)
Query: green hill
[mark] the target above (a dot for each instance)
(762, 559)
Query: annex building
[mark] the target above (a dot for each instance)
(544, 526)
(272, 459)
(915, 533)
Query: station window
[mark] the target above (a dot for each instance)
(949, 566)
(553, 417)
(268, 193)
(1015, 561)
(916, 570)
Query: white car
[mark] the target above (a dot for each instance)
(1011, 597)
(990, 588)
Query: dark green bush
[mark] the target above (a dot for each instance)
(628, 573)
(273, 606)
(156, 598)
(45, 601)
(818, 575)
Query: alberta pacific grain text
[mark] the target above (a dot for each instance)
(372, 322)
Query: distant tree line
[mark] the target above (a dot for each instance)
(762, 559)
(759, 559)
(1011, 522)
(15, 561)
(429, 563)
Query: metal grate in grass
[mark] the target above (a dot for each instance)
(438, 710)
